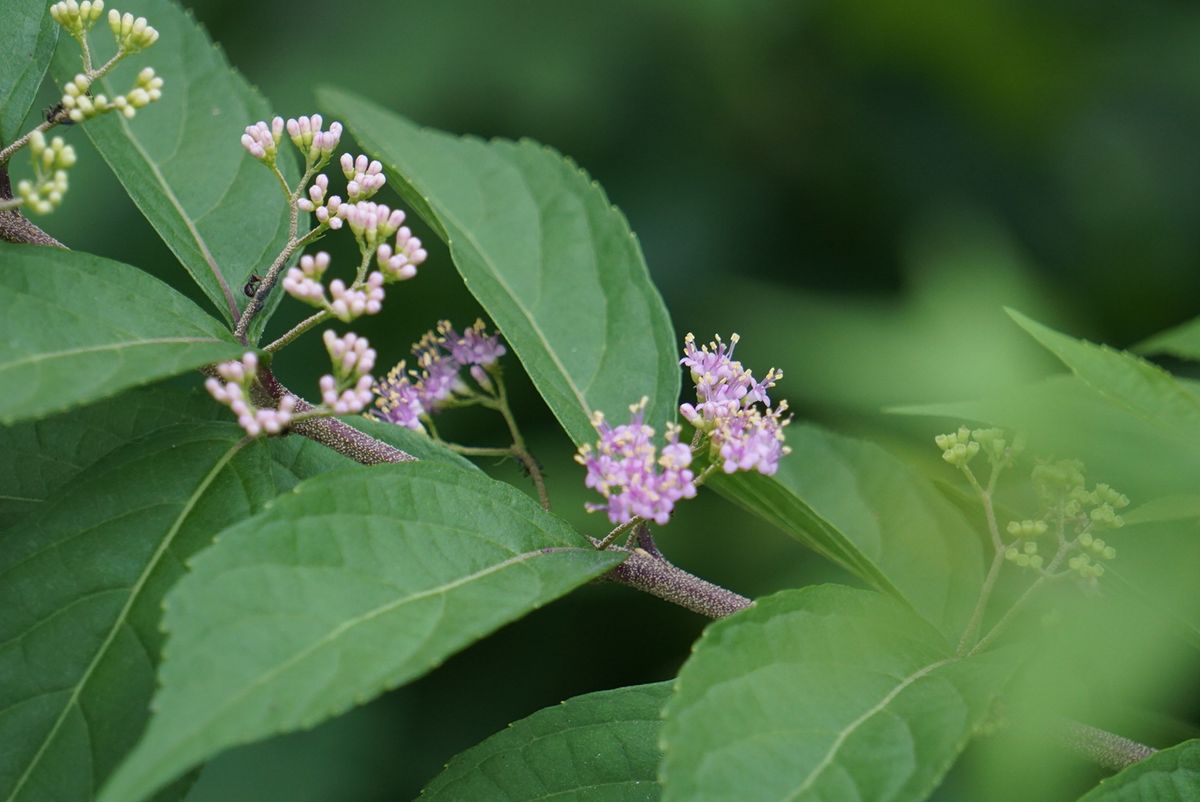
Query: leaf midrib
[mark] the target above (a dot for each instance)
(123, 615)
(365, 617)
(68, 352)
(201, 245)
(866, 715)
(499, 277)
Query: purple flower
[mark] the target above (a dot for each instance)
(398, 400)
(751, 440)
(626, 469)
(723, 385)
(440, 356)
(473, 346)
(743, 437)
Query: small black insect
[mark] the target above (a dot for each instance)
(251, 288)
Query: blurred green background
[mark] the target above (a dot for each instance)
(857, 187)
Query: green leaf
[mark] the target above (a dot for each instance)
(27, 40)
(859, 506)
(1144, 389)
(1172, 775)
(1182, 507)
(546, 254)
(600, 747)
(39, 457)
(218, 210)
(1182, 341)
(82, 583)
(825, 693)
(394, 568)
(76, 328)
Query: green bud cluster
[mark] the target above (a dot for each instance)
(1097, 547)
(1025, 556)
(1055, 481)
(960, 447)
(1082, 564)
(957, 447)
(51, 160)
(1028, 528)
(81, 106)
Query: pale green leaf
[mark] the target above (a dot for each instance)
(1182, 341)
(854, 503)
(218, 210)
(600, 747)
(27, 38)
(1172, 775)
(82, 582)
(356, 582)
(825, 693)
(1144, 389)
(76, 328)
(546, 254)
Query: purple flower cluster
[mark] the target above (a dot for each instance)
(743, 436)
(635, 480)
(405, 395)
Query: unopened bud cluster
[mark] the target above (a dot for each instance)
(261, 140)
(1070, 510)
(961, 446)
(233, 390)
(132, 33)
(406, 396)
(304, 283)
(348, 389)
(81, 106)
(77, 18)
(51, 160)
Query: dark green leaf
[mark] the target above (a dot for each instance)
(76, 328)
(547, 255)
(1172, 775)
(600, 747)
(357, 581)
(82, 583)
(861, 507)
(27, 40)
(217, 209)
(38, 457)
(825, 693)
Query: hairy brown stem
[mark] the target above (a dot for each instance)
(331, 432)
(649, 572)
